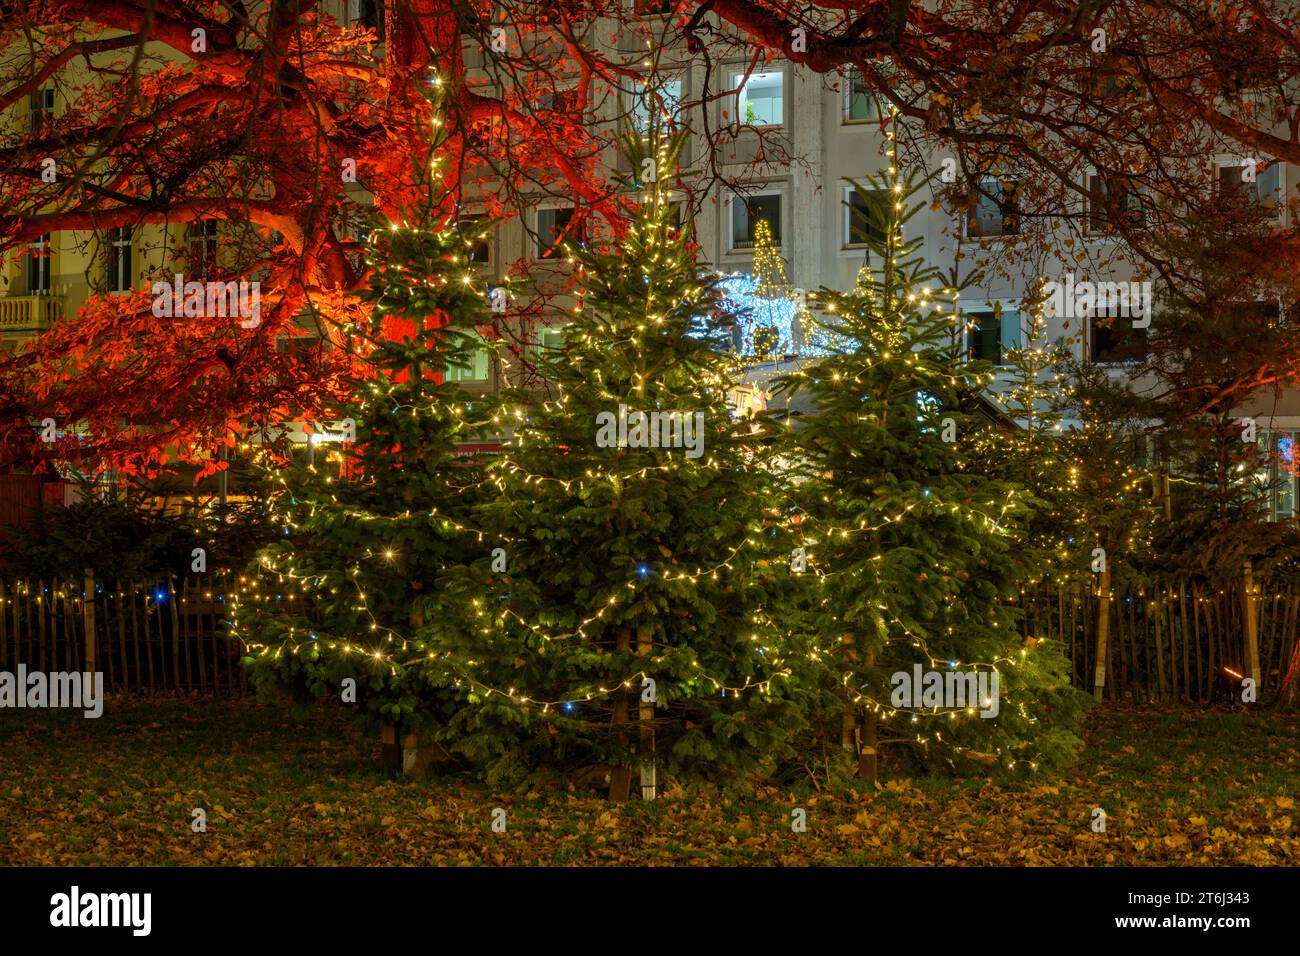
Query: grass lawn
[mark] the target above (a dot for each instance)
(1178, 787)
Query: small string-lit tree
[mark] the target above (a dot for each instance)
(916, 550)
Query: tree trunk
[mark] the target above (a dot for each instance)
(646, 715)
(620, 775)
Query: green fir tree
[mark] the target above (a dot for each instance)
(919, 555)
(345, 593)
(637, 517)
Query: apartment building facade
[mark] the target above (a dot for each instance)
(801, 141)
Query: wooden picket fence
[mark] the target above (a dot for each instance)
(156, 637)
(1171, 641)
(1167, 642)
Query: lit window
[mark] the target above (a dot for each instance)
(550, 341)
(473, 367)
(761, 100)
(1275, 477)
(746, 211)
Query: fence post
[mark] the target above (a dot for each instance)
(1103, 632)
(88, 619)
(1252, 627)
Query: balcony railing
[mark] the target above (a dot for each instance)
(29, 312)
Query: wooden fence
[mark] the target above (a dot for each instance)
(149, 637)
(1163, 643)
(1169, 642)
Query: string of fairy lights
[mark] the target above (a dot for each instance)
(649, 241)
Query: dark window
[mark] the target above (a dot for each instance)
(201, 248)
(745, 214)
(367, 14)
(985, 337)
(860, 226)
(1258, 314)
(1112, 204)
(553, 227)
(1112, 339)
(41, 108)
(480, 252)
(1265, 190)
(37, 261)
(563, 101)
(117, 259)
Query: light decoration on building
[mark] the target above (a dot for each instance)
(771, 317)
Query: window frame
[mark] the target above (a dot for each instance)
(1006, 310)
(739, 83)
(486, 380)
(1224, 161)
(849, 244)
(202, 240)
(354, 15)
(762, 192)
(541, 350)
(1136, 213)
(40, 265)
(474, 215)
(846, 102)
(555, 253)
(971, 215)
(641, 97)
(119, 259)
(39, 116)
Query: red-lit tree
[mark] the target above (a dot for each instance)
(257, 128)
(259, 119)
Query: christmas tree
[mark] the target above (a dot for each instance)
(629, 622)
(916, 551)
(1027, 447)
(342, 596)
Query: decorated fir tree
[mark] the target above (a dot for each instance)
(1025, 445)
(630, 621)
(346, 590)
(916, 550)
